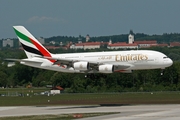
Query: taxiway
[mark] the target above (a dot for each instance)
(126, 112)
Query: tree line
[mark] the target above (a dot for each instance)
(164, 38)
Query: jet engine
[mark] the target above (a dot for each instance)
(81, 65)
(106, 68)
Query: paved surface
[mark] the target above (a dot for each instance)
(129, 112)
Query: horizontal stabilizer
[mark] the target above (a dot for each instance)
(22, 60)
(13, 60)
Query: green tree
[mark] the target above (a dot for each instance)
(3, 79)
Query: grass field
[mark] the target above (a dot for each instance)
(85, 99)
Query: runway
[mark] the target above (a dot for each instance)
(126, 112)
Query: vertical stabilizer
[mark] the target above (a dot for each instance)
(31, 45)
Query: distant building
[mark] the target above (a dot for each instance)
(131, 37)
(87, 38)
(87, 45)
(146, 43)
(161, 45)
(52, 47)
(41, 40)
(122, 45)
(8, 42)
(61, 44)
(133, 44)
(174, 44)
(52, 42)
(57, 88)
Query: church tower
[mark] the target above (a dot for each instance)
(131, 37)
(87, 38)
(110, 41)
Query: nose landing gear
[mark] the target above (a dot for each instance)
(162, 71)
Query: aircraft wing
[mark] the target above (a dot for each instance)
(93, 64)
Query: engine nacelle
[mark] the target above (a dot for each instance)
(106, 68)
(81, 65)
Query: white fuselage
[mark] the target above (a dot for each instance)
(135, 59)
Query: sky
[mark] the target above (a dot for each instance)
(48, 18)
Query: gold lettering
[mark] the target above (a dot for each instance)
(139, 57)
(130, 57)
(144, 57)
(117, 58)
(135, 57)
(124, 58)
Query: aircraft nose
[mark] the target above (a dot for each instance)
(169, 62)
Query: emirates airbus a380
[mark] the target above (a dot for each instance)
(92, 62)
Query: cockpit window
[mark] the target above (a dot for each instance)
(165, 57)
